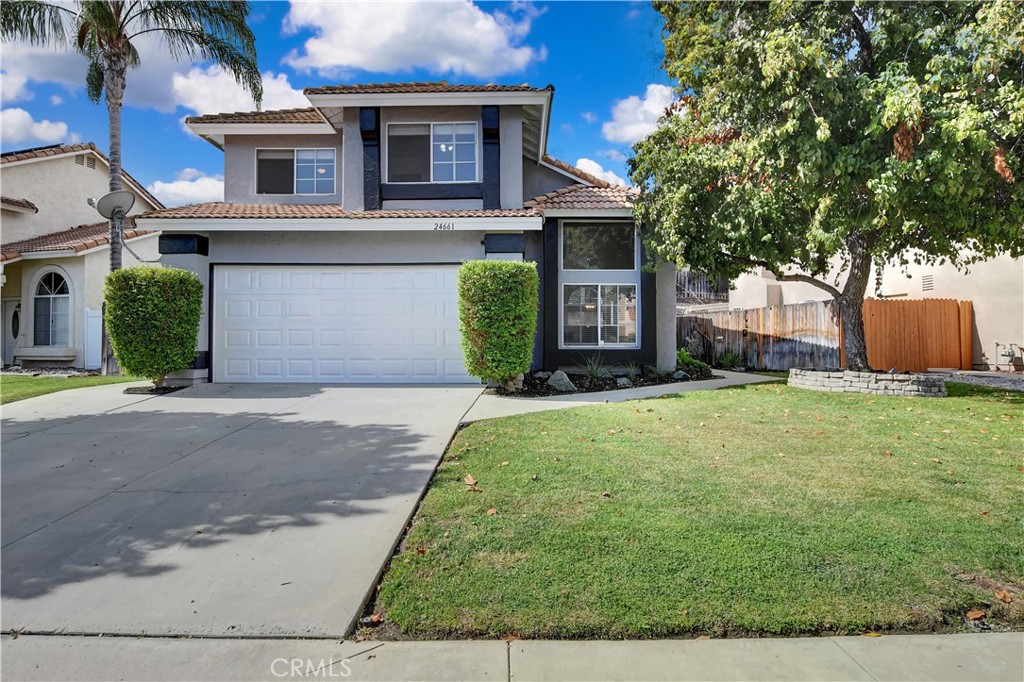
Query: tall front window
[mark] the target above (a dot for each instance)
(52, 311)
(295, 171)
(600, 277)
(432, 152)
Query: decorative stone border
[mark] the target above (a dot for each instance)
(840, 381)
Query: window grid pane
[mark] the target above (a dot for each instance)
(599, 315)
(314, 164)
(454, 152)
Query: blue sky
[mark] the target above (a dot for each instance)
(602, 57)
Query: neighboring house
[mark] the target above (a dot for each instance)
(334, 255)
(995, 287)
(55, 253)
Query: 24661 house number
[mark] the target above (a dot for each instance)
(444, 226)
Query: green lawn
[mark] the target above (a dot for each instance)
(761, 509)
(14, 387)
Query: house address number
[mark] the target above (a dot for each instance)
(444, 226)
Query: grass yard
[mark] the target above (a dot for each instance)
(761, 509)
(14, 387)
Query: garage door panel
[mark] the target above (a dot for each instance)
(337, 324)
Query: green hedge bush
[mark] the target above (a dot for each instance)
(693, 367)
(152, 317)
(498, 315)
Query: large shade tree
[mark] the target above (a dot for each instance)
(107, 32)
(817, 140)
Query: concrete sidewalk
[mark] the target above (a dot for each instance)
(990, 656)
(489, 406)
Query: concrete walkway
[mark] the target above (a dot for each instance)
(490, 406)
(990, 656)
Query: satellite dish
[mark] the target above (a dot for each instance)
(108, 203)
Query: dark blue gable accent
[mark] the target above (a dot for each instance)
(504, 243)
(490, 124)
(184, 243)
(369, 130)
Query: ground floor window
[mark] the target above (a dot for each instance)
(51, 323)
(599, 315)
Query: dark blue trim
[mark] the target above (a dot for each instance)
(183, 243)
(390, 191)
(504, 243)
(369, 130)
(490, 124)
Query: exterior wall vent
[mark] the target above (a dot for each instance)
(927, 282)
(90, 161)
(80, 159)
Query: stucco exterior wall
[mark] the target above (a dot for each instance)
(240, 168)
(353, 248)
(59, 187)
(510, 137)
(538, 179)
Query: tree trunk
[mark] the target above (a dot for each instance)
(115, 69)
(851, 306)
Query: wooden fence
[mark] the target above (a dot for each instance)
(907, 335)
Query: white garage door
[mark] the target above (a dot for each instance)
(337, 324)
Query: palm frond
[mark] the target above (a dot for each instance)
(38, 23)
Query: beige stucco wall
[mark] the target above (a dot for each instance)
(995, 287)
(59, 188)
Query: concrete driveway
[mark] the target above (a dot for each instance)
(224, 510)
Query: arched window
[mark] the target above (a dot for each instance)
(52, 311)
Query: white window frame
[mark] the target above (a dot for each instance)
(36, 281)
(598, 278)
(295, 175)
(476, 141)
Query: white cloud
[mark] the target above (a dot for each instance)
(633, 118)
(17, 125)
(190, 186)
(589, 116)
(56, 100)
(213, 90)
(13, 87)
(614, 155)
(594, 168)
(441, 37)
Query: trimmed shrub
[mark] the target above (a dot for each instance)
(693, 367)
(152, 318)
(498, 315)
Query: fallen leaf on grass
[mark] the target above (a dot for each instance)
(474, 489)
(984, 513)
(612, 432)
(504, 464)
(533, 478)
(887, 453)
(1004, 596)
(420, 551)
(511, 637)
(975, 614)
(871, 634)
(492, 511)
(936, 460)
(469, 479)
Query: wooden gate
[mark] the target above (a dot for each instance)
(906, 335)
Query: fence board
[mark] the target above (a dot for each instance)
(911, 335)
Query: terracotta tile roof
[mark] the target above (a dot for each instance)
(579, 173)
(221, 210)
(580, 197)
(305, 115)
(414, 88)
(61, 149)
(19, 203)
(76, 239)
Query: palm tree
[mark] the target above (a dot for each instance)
(104, 31)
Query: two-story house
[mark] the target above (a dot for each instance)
(54, 256)
(333, 257)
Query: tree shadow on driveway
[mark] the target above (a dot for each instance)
(240, 523)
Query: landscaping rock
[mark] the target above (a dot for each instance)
(543, 376)
(560, 382)
(680, 375)
(623, 382)
(519, 382)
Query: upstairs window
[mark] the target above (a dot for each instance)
(295, 171)
(432, 152)
(599, 246)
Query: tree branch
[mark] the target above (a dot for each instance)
(807, 279)
(864, 41)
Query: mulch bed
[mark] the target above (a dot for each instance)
(539, 388)
(151, 390)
